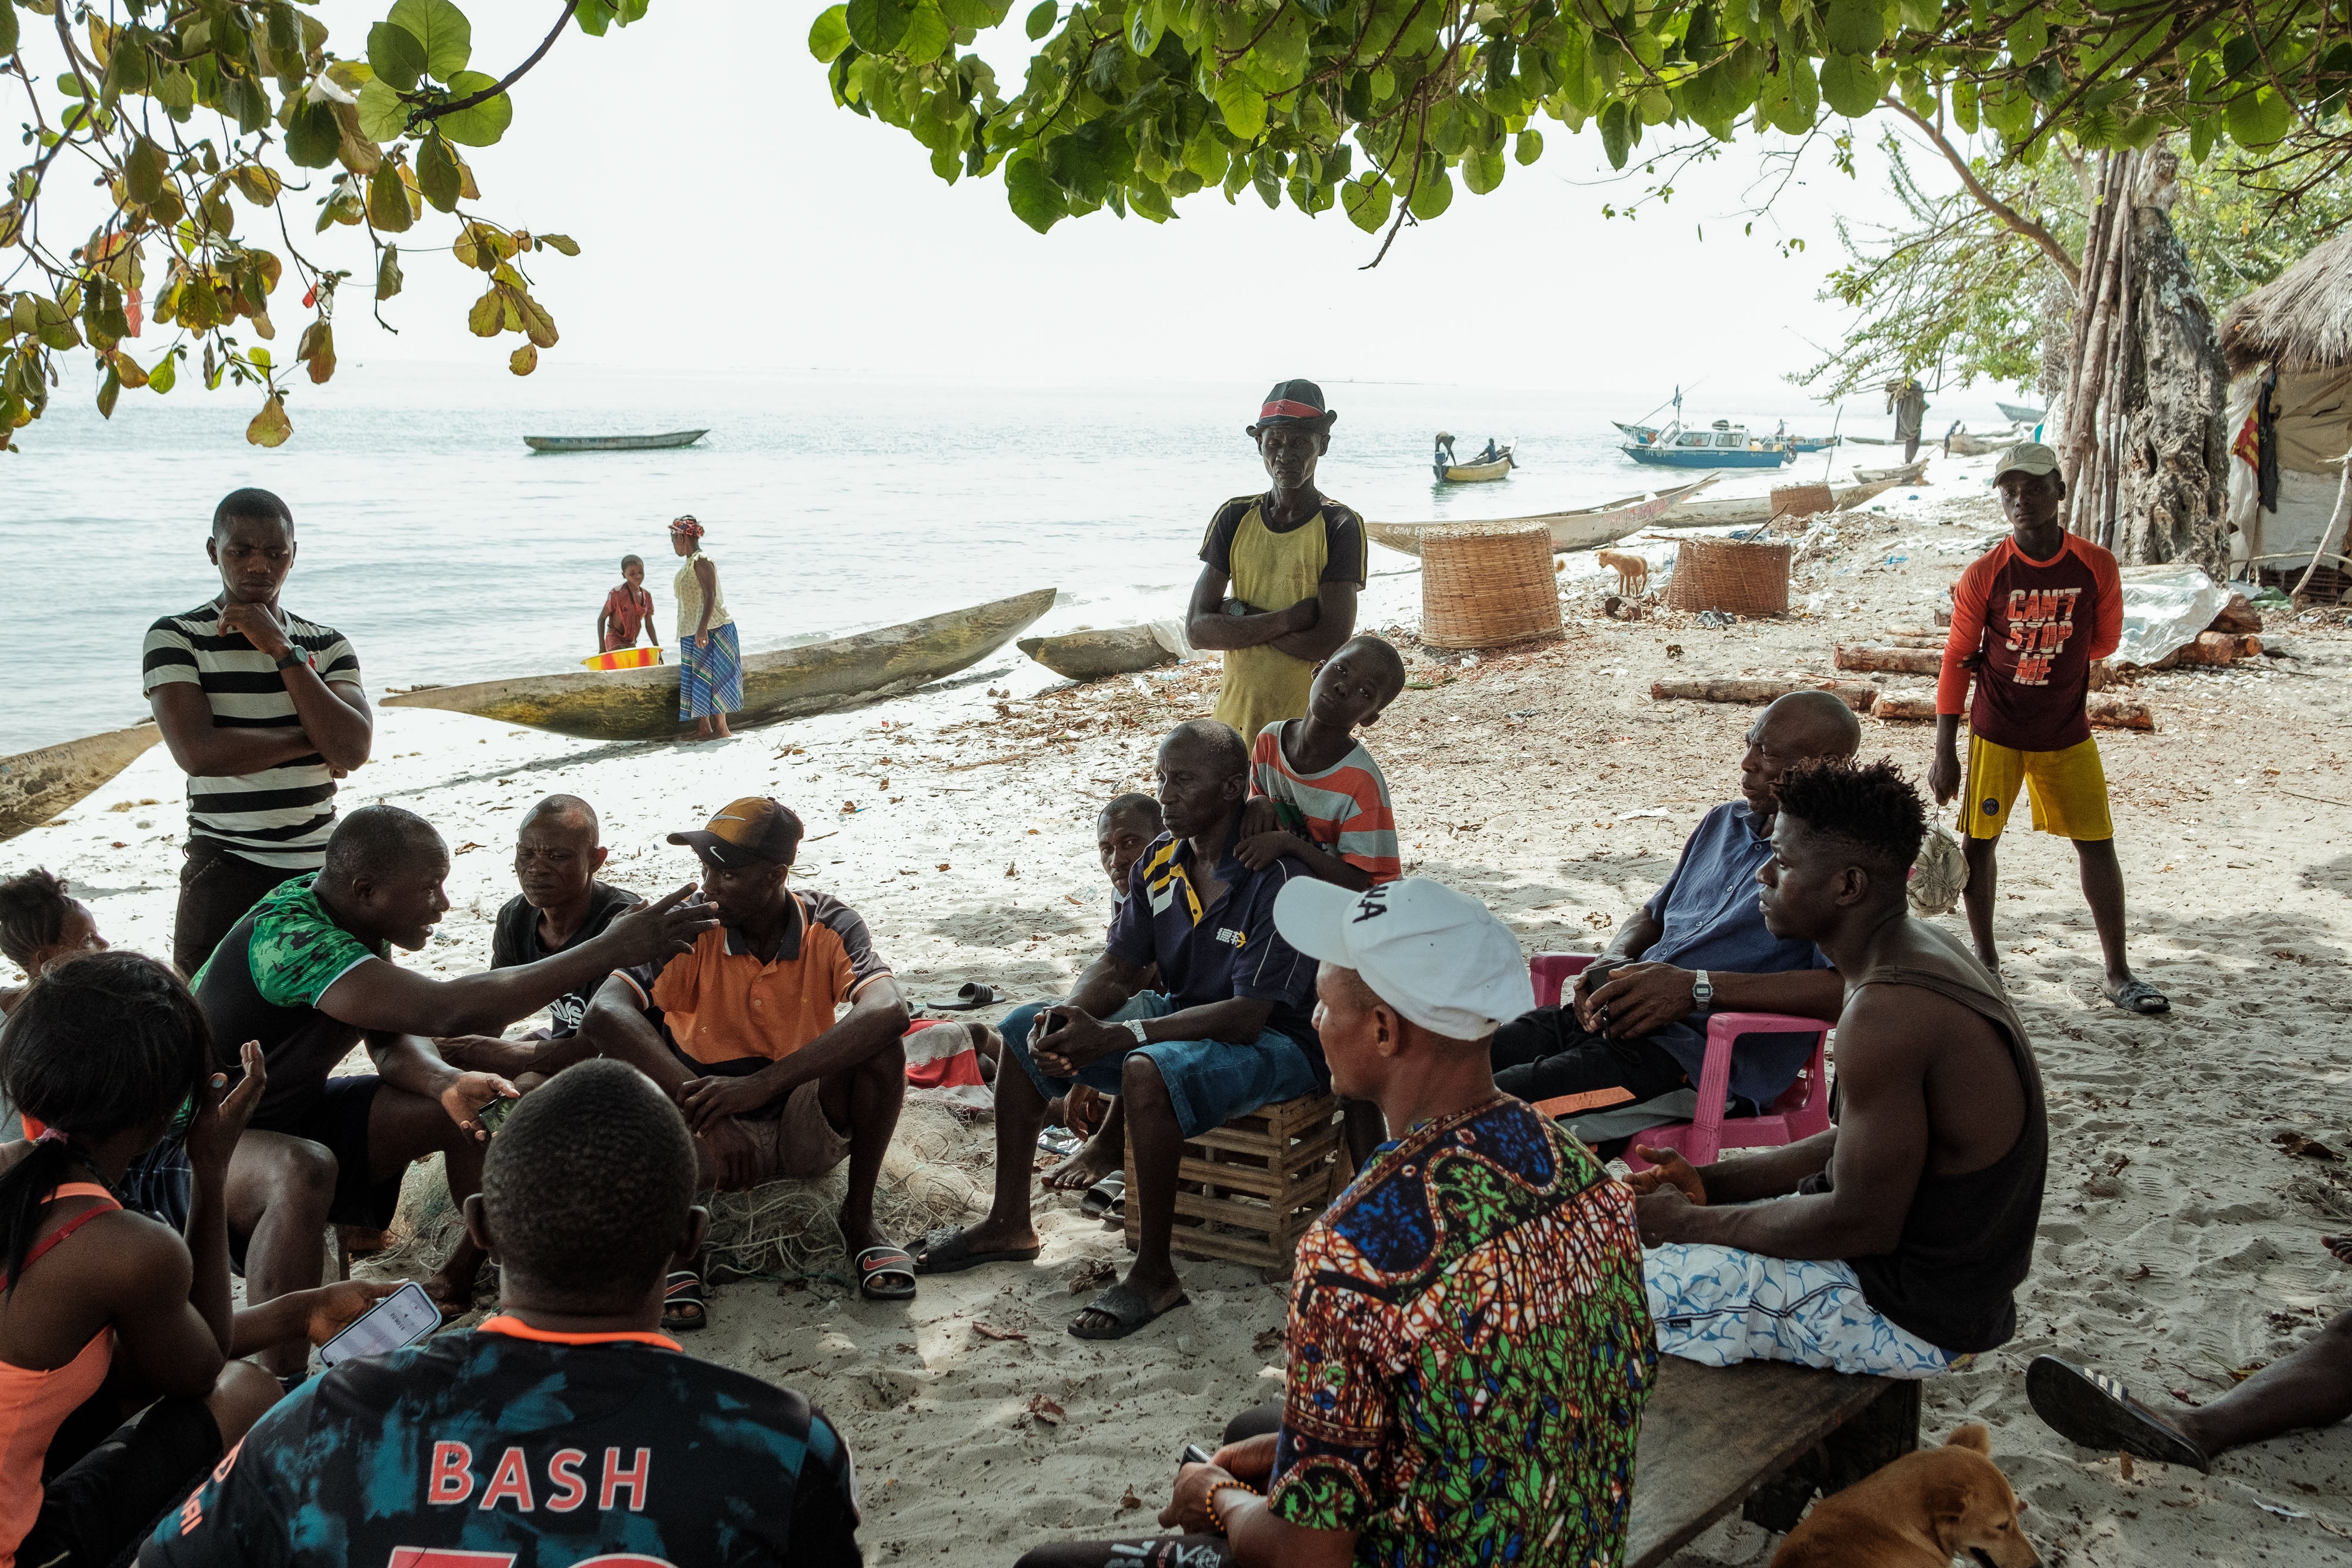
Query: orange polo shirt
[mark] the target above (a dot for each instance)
(721, 1003)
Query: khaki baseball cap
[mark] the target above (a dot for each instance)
(2025, 457)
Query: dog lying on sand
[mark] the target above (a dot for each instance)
(1921, 1511)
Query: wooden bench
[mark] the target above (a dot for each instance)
(1762, 1435)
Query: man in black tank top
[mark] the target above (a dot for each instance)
(1901, 1233)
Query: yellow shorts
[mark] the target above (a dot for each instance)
(2069, 790)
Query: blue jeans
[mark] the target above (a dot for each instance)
(1210, 1082)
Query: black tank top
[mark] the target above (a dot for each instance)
(1968, 1242)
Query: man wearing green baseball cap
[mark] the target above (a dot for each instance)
(2029, 618)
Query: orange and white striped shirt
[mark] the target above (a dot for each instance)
(1344, 808)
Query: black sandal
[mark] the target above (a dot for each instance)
(684, 1309)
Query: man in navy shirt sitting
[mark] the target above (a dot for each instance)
(1229, 1030)
(1627, 1049)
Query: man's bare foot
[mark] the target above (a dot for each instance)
(1089, 1166)
(451, 1286)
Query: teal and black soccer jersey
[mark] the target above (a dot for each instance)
(507, 1448)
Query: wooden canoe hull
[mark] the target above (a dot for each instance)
(34, 786)
(1909, 474)
(1734, 510)
(667, 438)
(1475, 473)
(1588, 529)
(1095, 655)
(788, 683)
(1960, 444)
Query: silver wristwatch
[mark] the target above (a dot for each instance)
(1702, 991)
(1135, 1028)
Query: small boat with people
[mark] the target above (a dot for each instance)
(1586, 527)
(37, 785)
(786, 683)
(614, 443)
(1647, 435)
(1720, 446)
(1494, 463)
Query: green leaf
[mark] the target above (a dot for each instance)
(1616, 132)
(166, 371)
(387, 201)
(1963, 107)
(829, 34)
(2028, 36)
(488, 315)
(1482, 171)
(564, 243)
(144, 171)
(109, 393)
(1244, 108)
(928, 33)
(1036, 199)
(1850, 84)
(1435, 193)
(442, 28)
(271, 427)
(313, 135)
(1853, 27)
(1923, 15)
(1529, 147)
(8, 46)
(1368, 202)
(436, 173)
(2259, 118)
(1041, 20)
(397, 56)
(877, 25)
(482, 125)
(246, 101)
(382, 116)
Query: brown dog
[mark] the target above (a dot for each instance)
(1921, 1511)
(1633, 572)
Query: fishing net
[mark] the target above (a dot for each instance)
(1940, 874)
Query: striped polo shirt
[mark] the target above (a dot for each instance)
(280, 817)
(1345, 807)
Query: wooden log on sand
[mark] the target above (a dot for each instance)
(1899, 660)
(2220, 648)
(1857, 694)
(2237, 615)
(2109, 712)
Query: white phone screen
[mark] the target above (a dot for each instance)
(400, 1319)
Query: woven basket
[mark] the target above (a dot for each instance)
(1801, 500)
(1743, 577)
(1483, 585)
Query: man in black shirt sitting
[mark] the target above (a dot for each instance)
(566, 1427)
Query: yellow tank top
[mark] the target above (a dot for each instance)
(687, 587)
(1271, 571)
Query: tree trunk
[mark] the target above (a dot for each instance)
(2174, 446)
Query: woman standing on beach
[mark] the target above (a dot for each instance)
(709, 658)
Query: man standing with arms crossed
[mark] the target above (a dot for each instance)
(264, 711)
(2029, 617)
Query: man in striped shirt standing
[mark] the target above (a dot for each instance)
(264, 711)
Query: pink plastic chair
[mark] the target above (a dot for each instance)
(1801, 1110)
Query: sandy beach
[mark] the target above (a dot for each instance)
(2179, 1239)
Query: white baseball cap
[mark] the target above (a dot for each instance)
(1436, 955)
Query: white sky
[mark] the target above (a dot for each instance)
(733, 218)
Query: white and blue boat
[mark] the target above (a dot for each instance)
(1722, 446)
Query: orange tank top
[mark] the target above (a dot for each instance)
(33, 1405)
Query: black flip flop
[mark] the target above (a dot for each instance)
(2139, 996)
(681, 1294)
(883, 1262)
(2094, 1410)
(946, 1252)
(970, 995)
(1108, 1194)
(1127, 1310)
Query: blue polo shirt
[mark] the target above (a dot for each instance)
(1212, 953)
(1709, 919)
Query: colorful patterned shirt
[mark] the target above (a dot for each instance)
(265, 981)
(1470, 1350)
(1345, 807)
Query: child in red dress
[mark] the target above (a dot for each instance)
(628, 610)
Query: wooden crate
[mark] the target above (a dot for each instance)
(1246, 1191)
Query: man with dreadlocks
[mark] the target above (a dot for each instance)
(1901, 1233)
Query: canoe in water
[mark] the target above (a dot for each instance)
(1588, 528)
(34, 786)
(1110, 650)
(614, 443)
(787, 683)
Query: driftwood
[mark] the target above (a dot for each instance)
(2220, 648)
(1911, 640)
(2108, 712)
(2237, 615)
(1858, 694)
(1900, 660)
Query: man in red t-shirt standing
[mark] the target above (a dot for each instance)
(2029, 616)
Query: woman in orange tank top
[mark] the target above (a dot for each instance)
(105, 1314)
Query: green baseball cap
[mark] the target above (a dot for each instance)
(2025, 457)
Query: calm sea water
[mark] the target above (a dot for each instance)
(448, 552)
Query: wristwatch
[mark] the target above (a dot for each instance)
(1135, 1028)
(292, 656)
(1702, 991)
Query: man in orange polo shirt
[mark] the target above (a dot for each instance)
(742, 1033)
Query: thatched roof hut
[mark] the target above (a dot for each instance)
(2299, 321)
(2297, 327)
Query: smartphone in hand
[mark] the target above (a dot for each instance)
(403, 1318)
(1193, 1454)
(494, 1115)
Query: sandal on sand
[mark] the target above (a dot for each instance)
(1127, 1310)
(2139, 996)
(2094, 1410)
(877, 1264)
(969, 995)
(945, 1251)
(683, 1308)
(1106, 1195)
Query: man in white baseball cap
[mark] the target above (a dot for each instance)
(1482, 1247)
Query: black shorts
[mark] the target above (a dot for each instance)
(337, 1116)
(217, 885)
(98, 1509)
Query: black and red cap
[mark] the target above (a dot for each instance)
(1295, 403)
(753, 830)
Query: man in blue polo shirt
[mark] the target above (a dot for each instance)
(1231, 1031)
(1627, 1049)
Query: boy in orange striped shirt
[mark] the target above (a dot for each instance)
(1315, 791)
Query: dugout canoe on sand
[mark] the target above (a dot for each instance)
(34, 786)
(1587, 528)
(1908, 474)
(1092, 655)
(787, 683)
(1741, 509)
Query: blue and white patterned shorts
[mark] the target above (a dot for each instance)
(1716, 1305)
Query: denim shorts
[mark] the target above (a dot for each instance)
(1210, 1082)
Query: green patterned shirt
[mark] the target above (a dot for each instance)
(265, 981)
